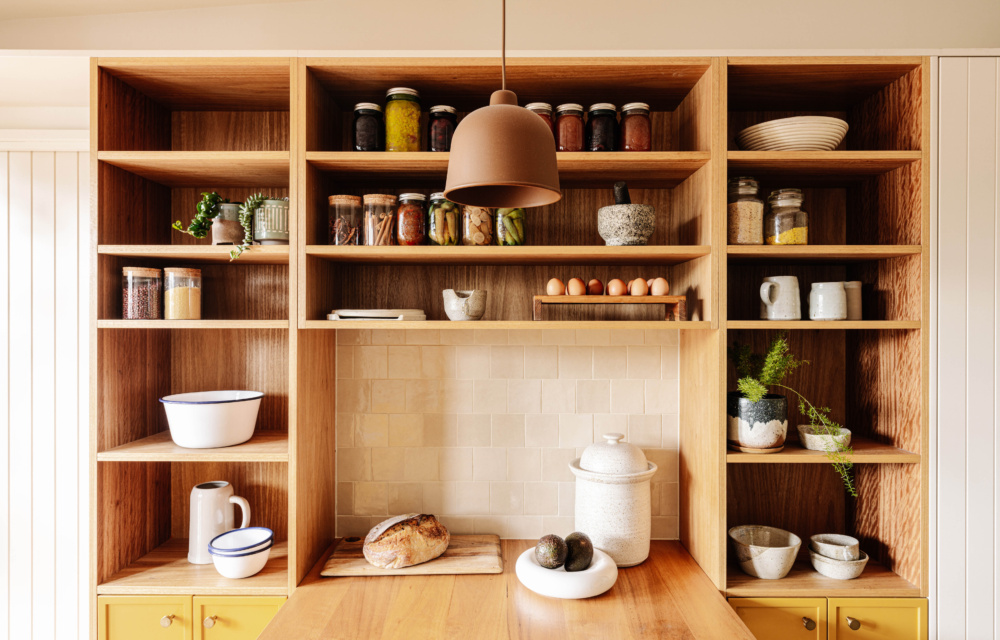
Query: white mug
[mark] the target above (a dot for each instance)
(853, 289)
(779, 298)
(827, 301)
(212, 513)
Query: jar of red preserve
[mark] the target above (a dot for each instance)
(636, 128)
(544, 111)
(441, 127)
(569, 127)
(411, 219)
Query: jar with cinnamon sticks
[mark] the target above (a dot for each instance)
(380, 220)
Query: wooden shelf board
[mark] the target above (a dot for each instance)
(505, 324)
(819, 324)
(819, 167)
(205, 168)
(264, 446)
(804, 582)
(166, 571)
(192, 324)
(531, 255)
(818, 253)
(865, 451)
(262, 254)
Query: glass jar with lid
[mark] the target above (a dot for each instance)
(368, 129)
(344, 220)
(745, 211)
(569, 127)
(510, 227)
(477, 226)
(182, 294)
(544, 111)
(442, 221)
(637, 131)
(402, 119)
(141, 289)
(786, 222)
(602, 127)
(441, 127)
(379, 219)
(411, 219)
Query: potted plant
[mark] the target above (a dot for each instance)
(209, 208)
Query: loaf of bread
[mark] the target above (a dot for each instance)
(406, 540)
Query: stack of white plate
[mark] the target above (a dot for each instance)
(801, 133)
(376, 314)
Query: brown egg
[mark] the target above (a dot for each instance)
(616, 287)
(575, 287)
(595, 287)
(649, 283)
(639, 287)
(555, 287)
(660, 287)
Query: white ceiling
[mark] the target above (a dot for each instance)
(20, 9)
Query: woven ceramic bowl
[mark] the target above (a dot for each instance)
(764, 552)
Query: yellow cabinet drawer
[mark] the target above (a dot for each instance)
(881, 618)
(783, 618)
(147, 617)
(233, 618)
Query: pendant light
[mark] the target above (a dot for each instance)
(503, 155)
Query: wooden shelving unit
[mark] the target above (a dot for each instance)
(811, 253)
(864, 451)
(266, 446)
(196, 254)
(526, 255)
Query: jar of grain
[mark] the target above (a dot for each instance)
(746, 212)
(141, 288)
(786, 222)
(182, 294)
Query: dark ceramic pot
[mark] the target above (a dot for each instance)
(762, 425)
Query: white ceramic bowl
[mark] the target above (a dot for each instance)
(241, 541)
(835, 546)
(838, 569)
(570, 585)
(821, 441)
(210, 419)
(765, 552)
(241, 565)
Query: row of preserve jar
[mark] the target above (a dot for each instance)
(380, 219)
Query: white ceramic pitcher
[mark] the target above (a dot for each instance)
(827, 301)
(212, 513)
(779, 298)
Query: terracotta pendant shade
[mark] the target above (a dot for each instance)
(503, 156)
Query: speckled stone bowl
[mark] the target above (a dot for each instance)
(626, 224)
(820, 441)
(764, 552)
(464, 305)
(838, 569)
(835, 545)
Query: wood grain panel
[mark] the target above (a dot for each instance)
(891, 288)
(892, 118)
(229, 131)
(131, 210)
(888, 517)
(133, 371)
(128, 120)
(888, 208)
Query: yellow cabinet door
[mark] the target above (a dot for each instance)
(881, 618)
(783, 618)
(147, 617)
(233, 617)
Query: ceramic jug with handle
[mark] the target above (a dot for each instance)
(212, 513)
(779, 298)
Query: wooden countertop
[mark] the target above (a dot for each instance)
(668, 596)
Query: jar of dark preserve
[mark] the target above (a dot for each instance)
(441, 127)
(369, 128)
(636, 128)
(602, 127)
(544, 111)
(569, 127)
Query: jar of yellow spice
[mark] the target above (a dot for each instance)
(182, 294)
(786, 222)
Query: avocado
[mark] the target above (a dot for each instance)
(579, 551)
(551, 551)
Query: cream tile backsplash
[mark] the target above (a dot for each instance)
(478, 426)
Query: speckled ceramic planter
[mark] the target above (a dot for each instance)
(626, 224)
(757, 425)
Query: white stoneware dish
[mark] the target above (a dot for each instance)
(835, 545)
(764, 552)
(570, 585)
(838, 569)
(211, 419)
(241, 565)
(241, 541)
(821, 441)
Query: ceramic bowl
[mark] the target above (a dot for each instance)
(838, 569)
(571, 585)
(626, 224)
(241, 540)
(765, 552)
(821, 441)
(241, 565)
(464, 305)
(211, 419)
(835, 546)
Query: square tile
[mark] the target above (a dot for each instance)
(524, 336)
(644, 430)
(643, 363)
(370, 362)
(524, 396)
(421, 396)
(437, 362)
(489, 464)
(345, 497)
(593, 396)
(662, 396)
(671, 431)
(405, 497)
(388, 464)
(421, 464)
(558, 396)
(461, 525)
(665, 337)
(541, 430)
(370, 499)
(576, 362)
(388, 336)
(609, 423)
(491, 525)
(524, 465)
(489, 396)
(406, 430)
(456, 464)
(627, 336)
(627, 396)
(559, 525)
(345, 430)
(352, 525)
(345, 362)
(353, 336)
(465, 498)
(508, 430)
(524, 527)
(506, 361)
(541, 498)
(593, 337)
(670, 499)
(665, 528)
(474, 430)
(576, 430)
(491, 336)
(354, 465)
(473, 362)
(423, 336)
(567, 498)
(388, 396)
(555, 465)
(558, 336)
(506, 498)
(354, 396)
(455, 395)
(440, 430)
(404, 362)
(611, 362)
(541, 362)
(670, 363)
(371, 430)
(458, 336)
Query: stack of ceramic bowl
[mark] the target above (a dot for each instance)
(837, 556)
(241, 553)
(764, 552)
(801, 133)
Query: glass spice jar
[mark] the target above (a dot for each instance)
(602, 127)
(442, 221)
(402, 119)
(141, 288)
(746, 212)
(786, 222)
(441, 127)
(544, 111)
(411, 219)
(344, 215)
(569, 127)
(380, 220)
(368, 128)
(510, 227)
(182, 294)
(477, 226)
(636, 128)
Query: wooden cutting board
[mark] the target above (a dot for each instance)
(465, 554)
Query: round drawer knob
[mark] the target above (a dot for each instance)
(853, 623)
(210, 621)
(809, 624)
(166, 621)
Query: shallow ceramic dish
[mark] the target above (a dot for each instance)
(835, 546)
(822, 442)
(838, 569)
(764, 552)
(211, 419)
(241, 565)
(241, 540)
(569, 585)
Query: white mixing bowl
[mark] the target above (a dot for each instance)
(210, 419)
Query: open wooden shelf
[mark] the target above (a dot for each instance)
(264, 446)
(804, 582)
(865, 451)
(201, 168)
(166, 571)
(823, 324)
(192, 324)
(819, 167)
(258, 254)
(505, 324)
(524, 255)
(818, 253)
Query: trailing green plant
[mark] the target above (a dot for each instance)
(247, 210)
(207, 211)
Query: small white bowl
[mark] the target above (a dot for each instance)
(569, 585)
(838, 569)
(242, 565)
(835, 546)
(820, 441)
(211, 419)
(765, 552)
(238, 541)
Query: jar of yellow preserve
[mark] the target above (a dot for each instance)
(786, 222)
(402, 119)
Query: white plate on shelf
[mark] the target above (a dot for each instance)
(568, 585)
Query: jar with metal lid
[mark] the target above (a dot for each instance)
(786, 222)
(182, 294)
(344, 216)
(613, 503)
(746, 212)
(141, 289)
(637, 131)
(369, 128)
(380, 219)
(442, 221)
(477, 226)
(544, 111)
(569, 127)
(602, 127)
(411, 219)
(510, 227)
(441, 127)
(402, 119)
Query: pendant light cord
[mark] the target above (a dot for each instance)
(503, 45)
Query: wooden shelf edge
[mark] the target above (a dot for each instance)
(264, 446)
(866, 451)
(821, 324)
(263, 254)
(505, 324)
(198, 156)
(804, 582)
(821, 252)
(192, 324)
(542, 254)
(903, 157)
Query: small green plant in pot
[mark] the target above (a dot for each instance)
(208, 209)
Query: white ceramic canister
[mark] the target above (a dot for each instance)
(827, 301)
(853, 290)
(613, 498)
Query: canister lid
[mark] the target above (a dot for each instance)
(602, 106)
(405, 91)
(614, 456)
(141, 272)
(349, 200)
(569, 106)
(380, 198)
(635, 105)
(442, 108)
(367, 106)
(183, 272)
(412, 196)
(539, 106)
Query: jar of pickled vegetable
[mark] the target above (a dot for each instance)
(786, 222)
(344, 216)
(411, 219)
(569, 129)
(442, 221)
(636, 128)
(544, 111)
(402, 119)
(602, 127)
(510, 227)
(368, 129)
(380, 219)
(441, 127)
(477, 226)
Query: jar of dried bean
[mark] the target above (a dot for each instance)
(602, 127)
(368, 129)
(746, 212)
(569, 127)
(182, 294)
(380, 220)
(345, 220)
(786, 222)
(442, 221)
(477, 226)
(402, 119)
(544, 111)
(141, 288)
(510, 227)
(411, 219)
(636, 127)
(441, 125)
